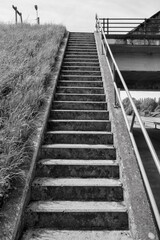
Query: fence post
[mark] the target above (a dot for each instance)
(37, 18)
(107, 25)
(17, 13)
(21, 17)
(15, 9)
(104, 25)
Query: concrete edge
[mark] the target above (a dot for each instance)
(26, 192)
(142, 225)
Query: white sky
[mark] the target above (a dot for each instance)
(77, 15)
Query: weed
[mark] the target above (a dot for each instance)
(27, 57)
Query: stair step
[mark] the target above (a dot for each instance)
(83, 36)
(81, 52)
(39, 234)
(80, 169)
(82, 39)
(80, 114)
(79, 78)
(72, 56)
(80, 68)
(81, 33)
(77, 189)
(72, 43)
(80, 90)
(80, 97)
(78, 137)
(74, 59)
(80, 64)
(79, 105)
(76, 182)
(79, 83)
(79, 72)
(79, 125)
(78, 151)
(74, 215)
(82, 48)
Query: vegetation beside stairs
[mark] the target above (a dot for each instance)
(27, 58)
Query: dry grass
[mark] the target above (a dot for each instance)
(27, 57)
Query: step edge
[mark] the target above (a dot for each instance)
(76, 182)
(86, 146)
(48, 162)
(80, 132)
(108, 206)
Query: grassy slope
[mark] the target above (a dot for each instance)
(27, 56)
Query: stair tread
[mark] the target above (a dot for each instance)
(76, 76)
(74, 110)
(102, 102)
(95, 146)
(88, 62)
(76, 206)
(79, 71)
(99, 88)
(79, 162)
(47, 234)
(79, 94)
(79, 132)
(79, 121)
(75, 182)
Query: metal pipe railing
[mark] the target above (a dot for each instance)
(132, 25)
(114, 66)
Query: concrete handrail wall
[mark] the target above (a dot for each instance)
(114, 66)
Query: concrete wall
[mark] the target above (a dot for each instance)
(138, 61)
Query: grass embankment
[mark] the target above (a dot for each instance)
(27, 57)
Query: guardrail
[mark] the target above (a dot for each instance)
(130, 26)
(113, 68)
(147, 121)
(154, 123)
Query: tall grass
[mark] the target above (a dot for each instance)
(27, 57)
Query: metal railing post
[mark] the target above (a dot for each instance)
(96, 25)
(132, 122)
(104, 24)
(107, 25)
(102, 47)
(116, 103)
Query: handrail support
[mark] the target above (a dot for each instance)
(116, 102)
(132, 122)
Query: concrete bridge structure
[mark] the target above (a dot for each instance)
(137, 53)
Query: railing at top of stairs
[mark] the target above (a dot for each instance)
(106, 50)
(130, 26)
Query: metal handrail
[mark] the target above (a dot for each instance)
(142, 26)
(114, 66)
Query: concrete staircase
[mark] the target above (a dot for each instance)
(77, 192)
